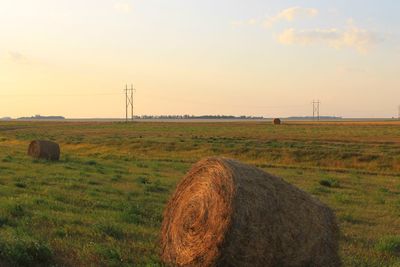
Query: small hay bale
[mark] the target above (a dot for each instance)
(277, 121)
(225, 213)
(44, 150)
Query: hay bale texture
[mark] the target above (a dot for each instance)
(277, 121)
(40, 149)
(225, 213)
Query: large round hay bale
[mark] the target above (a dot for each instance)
(44, 150)
(277, 121)
(225, 213)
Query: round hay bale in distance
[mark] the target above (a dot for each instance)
(277, 121)
(225, 213)
(40, 149)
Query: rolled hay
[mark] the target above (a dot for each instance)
(277, 121)
(225, 213)
(40, 149)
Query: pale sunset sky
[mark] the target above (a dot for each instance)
(233, 57)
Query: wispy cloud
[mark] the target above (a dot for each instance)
(353, 37)
(123, 7)
(349, 36)
(290, 14)
(17, 57)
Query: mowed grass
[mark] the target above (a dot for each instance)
(102, 203)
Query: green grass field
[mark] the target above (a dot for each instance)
(102, 203)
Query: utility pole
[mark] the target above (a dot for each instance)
(316, 109)
(129, 101)
(399, 114)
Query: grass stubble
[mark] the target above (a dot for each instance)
(102, 203)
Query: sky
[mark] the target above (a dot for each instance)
(233, 57)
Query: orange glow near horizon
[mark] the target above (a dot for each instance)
(74, 59)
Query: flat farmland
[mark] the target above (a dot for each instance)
(102, 203)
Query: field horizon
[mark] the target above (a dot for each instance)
(266, 119)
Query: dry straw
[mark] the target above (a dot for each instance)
(277, 121)
(44, 150)
(225, 213)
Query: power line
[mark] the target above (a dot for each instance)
(57, 95)
(179, 99)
